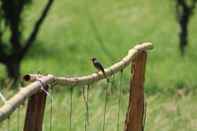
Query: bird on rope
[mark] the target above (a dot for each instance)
(99, 67)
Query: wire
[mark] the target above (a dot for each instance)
(144, 114)
(85, 97)
(105, 106)
(51, 110)
(87, 105)
(119, 100)
(19, 108)
(71, 104)
(8, 123)
(18, 119)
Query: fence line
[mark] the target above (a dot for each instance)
(41, 81)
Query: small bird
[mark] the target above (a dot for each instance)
(98, 65)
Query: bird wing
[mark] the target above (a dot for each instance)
(99, 66)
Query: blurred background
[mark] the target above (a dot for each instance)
(60, 37)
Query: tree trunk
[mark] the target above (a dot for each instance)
(13, 69)
(183, 35)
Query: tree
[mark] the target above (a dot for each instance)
(12, 48)
(184, 11)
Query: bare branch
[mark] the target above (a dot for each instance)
(193, 5)
(36, 29)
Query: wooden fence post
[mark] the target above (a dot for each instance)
(135, 114)
(35, 111)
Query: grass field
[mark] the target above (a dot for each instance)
(68, 40)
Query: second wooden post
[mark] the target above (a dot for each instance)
(135, 114)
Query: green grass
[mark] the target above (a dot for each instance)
(67, 41)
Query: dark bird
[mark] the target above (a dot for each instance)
(98, 65)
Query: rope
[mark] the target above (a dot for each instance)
(42, 87)
(119, 99)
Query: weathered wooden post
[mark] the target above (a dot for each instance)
(134, 118)
(35, 111)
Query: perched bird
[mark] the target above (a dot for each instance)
(98, 65)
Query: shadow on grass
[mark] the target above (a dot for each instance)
(44, 50)
(41, 50)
